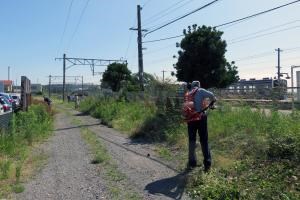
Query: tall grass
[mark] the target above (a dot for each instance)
(26, 128)
(127, 117)
(256, 154)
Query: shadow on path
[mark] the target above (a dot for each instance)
(172, 187)
(73, 127)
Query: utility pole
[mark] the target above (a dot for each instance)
(163, 71)
(82, 84)
(64, 76)
(49, 87)
(278, 66)
(140, 48)
(8, 73)
(292, 77)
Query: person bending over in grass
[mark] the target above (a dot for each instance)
(47, 100)
(195, 102)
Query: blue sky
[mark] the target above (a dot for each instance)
(31, 35)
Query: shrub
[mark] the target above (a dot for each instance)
(213, 186)
(25, 129)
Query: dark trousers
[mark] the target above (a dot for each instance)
(201, 127)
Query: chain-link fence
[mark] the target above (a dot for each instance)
(5, 119)
(277, 98)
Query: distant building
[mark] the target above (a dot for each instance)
(252, 84)
(263, 88)
(17, 89)
(36, 88)
(8, 85)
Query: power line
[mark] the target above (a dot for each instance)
(291, 49)
(260, 55)
(66, 24)
(264, 30)
(266, 54)
(162, 11)
(168, 38)
(179, 18)
(130, 38)
(231, 22)
(79, 21)
(160, 49)
(256, 14)
(128, 45)
(265, 34)
(233, 40)
(146, 3)
(166, 12)
(160, 60)
(269, 61)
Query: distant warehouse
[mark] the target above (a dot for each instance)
(36, 88)
(264, 88)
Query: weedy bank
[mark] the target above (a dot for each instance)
(256, 154)
(17, 161)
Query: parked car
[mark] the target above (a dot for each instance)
(7, 106)
(1, 109)
(10, 99)
(17, 99)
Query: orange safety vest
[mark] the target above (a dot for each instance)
(188, 111)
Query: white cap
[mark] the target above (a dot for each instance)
(196, 84)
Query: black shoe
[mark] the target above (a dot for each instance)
(191, 164)
(206, 169)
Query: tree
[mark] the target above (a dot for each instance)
(148, 78)
(203, 58)
(134, 84)
(115, 75)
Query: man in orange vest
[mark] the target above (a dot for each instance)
(199, 124)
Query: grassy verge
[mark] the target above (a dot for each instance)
(115, 180)
(127, 117)
(256, 155)
(18, 156)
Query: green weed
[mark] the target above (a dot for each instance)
(26, 129)
(111, 173)
(254, 150)
(18, 188)
(5, 168)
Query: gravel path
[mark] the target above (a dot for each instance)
(152, 178)
(68, 174)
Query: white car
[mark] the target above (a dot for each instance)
(17, 98)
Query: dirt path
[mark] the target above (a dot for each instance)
(150, 176)
(68, 173)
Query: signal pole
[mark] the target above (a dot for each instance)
(163, 71)
(278, 66)
(85, 62)
(64, 76)
(82, 84)
(49, 87)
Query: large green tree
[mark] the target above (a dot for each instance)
(115, 75)
(202, 57)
